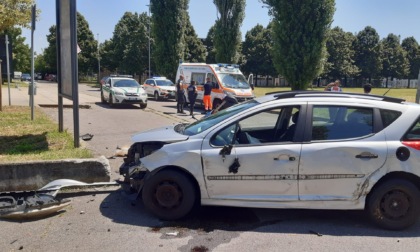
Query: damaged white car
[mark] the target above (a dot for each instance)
(308, 150)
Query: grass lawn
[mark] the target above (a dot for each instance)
(22, 139)
(409, 94)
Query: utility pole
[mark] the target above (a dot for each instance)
(1, 85)
(149, 39)
(99, 62)
(8, 68)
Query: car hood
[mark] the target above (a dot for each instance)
(134, 90)
(164, 134)
(169, 88)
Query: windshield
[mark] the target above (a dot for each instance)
(236, 81)
(204, 124)
(126, 83)
(164, 83)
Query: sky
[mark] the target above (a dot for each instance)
(400, 17)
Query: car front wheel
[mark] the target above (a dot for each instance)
(170, 195)
(156, 96)
(143, 105)
(394, 204)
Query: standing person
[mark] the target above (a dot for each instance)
(180, 95)
(333, 87)
(208, 106)
(192, 95)
(367, 88)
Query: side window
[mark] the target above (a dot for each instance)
(213, 80)
(389, 116)
(198, 77)
(108, 81)
(262, 127)
(149, 82)
(340, 122)
(414, 132)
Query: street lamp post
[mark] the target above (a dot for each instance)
(99, 63)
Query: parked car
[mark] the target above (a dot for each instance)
(38, 76)
(25, 77)
(299, 149)
(160, 88)
(118, 90)
(50, 77)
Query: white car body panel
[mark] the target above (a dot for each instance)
(313, 175)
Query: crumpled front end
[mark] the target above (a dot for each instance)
(132, 169)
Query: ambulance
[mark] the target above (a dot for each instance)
(226, 78)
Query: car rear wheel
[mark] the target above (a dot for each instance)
(156, 96)
(394, 204)
(102, 97)
(111, 101)
(170, 195)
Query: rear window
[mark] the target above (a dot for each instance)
(414, 132)
(389, 116)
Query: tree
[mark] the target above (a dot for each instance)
(208, 42)
(168, 28)
(340, 54)
(87, 58)
(227, 35)
(195, 50)
(368, 53)
(412, 49)
(50, 53)
(21, 51)
(106, 50)
(40, 64)
(256, 50)
(130, 43)
(394, 60)
(299, 34)
(15, 13)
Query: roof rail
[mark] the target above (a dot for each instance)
(307, 93)
(121, 75)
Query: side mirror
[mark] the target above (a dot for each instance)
(226, 150)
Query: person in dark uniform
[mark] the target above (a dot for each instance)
(192, 95)
(180, 95)
(208, 86)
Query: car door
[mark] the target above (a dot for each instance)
(149, 87)
(258, 169)
(106, 89)
(343, 149)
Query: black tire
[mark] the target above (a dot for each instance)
(143, 105)
(111, 102)
(394, 204)
(216, 103)
(156, 96)
(170, 195)
(102, 97)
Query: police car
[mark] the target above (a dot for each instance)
(123, 90)
(160, 88)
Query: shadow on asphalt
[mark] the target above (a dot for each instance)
(117, 106)
(208, 219)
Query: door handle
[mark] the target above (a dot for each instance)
(282, 158)
(366, 155)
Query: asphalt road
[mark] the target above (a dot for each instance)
(104, 220)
